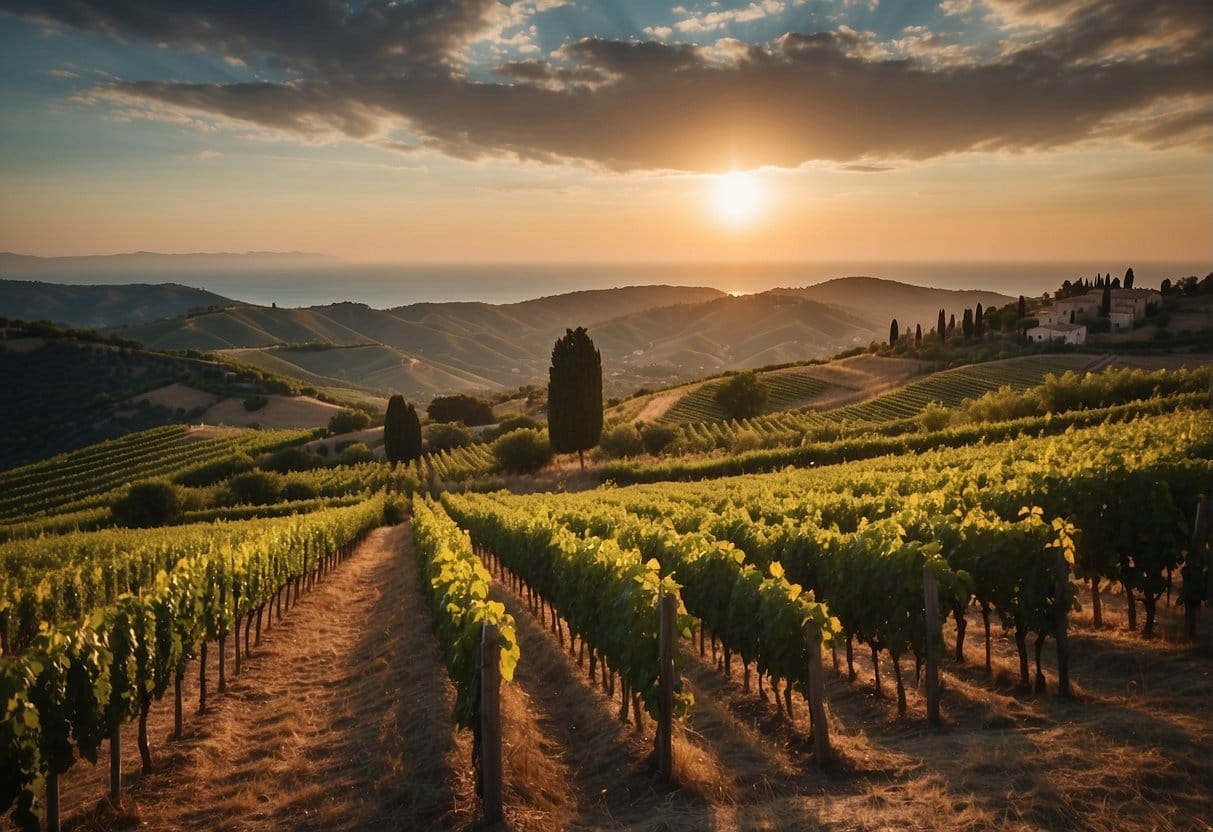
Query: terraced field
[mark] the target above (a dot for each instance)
(951, 387)
(786, 390)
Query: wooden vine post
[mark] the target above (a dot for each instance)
(490, 723)
(930, 597)
(116, 764)
(667, 618)
(1061, 610)
(817, 697)
(1200, 539)
(52, 802)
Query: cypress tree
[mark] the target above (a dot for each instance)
(1023, 307)
(393, 430)
(967, 325)
(951, 324)
(410, 434)
(1105, 304)
(942, 326)
(979, 327)
(894, 333)
(918, 333)
(575, 394)
(1129, 278)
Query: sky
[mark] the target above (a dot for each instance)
(568, 130)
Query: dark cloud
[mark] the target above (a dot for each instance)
(322, 36)
(1085, 69)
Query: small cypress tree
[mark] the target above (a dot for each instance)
(393, 430)
(967, 325)
(918, 333)
(894, 333)
(951, 324)
(575, 394)
(979, 326)
(942, 325)
(1129, 278)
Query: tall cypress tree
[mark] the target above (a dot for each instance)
(918, 333)
(410, 434)
(1128, 284)
(1023, 307)
(894, 333)
(967, 324)
(1105, 303)
(575, 394)
(393, 430)
(979, 327)
(942, 326)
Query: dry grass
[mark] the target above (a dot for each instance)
(279, 412)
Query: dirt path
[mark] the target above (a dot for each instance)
(341, 719)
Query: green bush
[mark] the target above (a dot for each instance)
(253, 403)
(523, 451)
(513, 423)
(621, 441)
(348, 420)
(294, 458)
(446, 437)
(356, 454)
(257, 488)
(297, 488)
(656, 438)
(148, 504)
(216, 471)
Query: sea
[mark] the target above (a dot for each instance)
(388, 285)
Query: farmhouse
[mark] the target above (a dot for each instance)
(1070, 333)
(1076, 307)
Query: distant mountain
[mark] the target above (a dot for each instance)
(885, 300)
(139, 262)
(100, 307)
(648, 335)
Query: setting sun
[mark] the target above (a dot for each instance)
(737, 198)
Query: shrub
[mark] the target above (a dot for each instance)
(621, 440)
(147, 504)
(294, 458)
(745, 440)
(253, 403)
(742, 396)
(348, 420)
(461, 408)
(257, 488)
(216, 471)
(298, 488)
(523, 451)
(656, 438)
(934, 417)
(513, 423)
(356, 453)
(445, 437)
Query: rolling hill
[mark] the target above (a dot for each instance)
(101, 307)
(648, 335)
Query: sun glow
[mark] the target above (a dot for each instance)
(737, 198)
